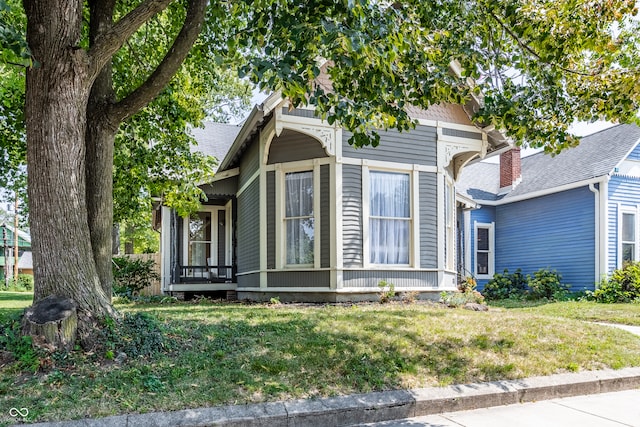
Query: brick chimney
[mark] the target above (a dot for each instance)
(510, 169)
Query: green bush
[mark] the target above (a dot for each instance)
(130, 276)
(506, 285)
(546, 284)
(622, 286)
(26, 357)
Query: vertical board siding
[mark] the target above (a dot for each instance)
(352, 215)
(292, 146)
(428, 220)
(271, 220)
(400, 278)
(486, 215)
(299, 112)
(417, 146)
(325, 217)
(555, 231)
(249, 164)
(299, 279)
(624, 192)
(249, 228)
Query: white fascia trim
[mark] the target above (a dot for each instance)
(625, 156)
(541, 193)
(450, 125)
(226, 174)
(390, 166)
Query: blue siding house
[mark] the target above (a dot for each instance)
(577, 213)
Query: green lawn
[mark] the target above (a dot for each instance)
(237, 353)
(10, 302)
(628, 314)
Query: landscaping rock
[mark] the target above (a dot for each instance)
(475, 307)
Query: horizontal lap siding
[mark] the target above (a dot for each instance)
(271, 219)
(635, 154)
(624, 192)
(462, 133)
(555, 231)
(249, 280)
(485, 215)
(352, 215)
(299, 279)
(417, 146)
(428, 220)
(399, 278)
(293, 146)
(249, 164)
(325, 217)
(249, 228)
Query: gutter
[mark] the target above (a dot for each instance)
(544, 192)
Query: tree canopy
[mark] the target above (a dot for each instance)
(112, 84)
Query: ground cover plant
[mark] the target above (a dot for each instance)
(231, 353)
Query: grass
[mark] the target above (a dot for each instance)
(234, 353)
(10, 302)
(627, 314)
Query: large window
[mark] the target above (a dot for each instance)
(629, 237)
(389, 217)
(484, 258)
(299, 218)
(199, 246)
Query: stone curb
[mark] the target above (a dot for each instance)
(378, 406)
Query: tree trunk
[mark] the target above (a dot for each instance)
(52, 322)
(57, 90)
(100, 140)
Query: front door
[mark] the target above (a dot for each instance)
(207, 244)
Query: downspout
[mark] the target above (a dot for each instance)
(596, 193)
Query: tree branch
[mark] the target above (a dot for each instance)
(535, 54)
(165, 71)
(108, 43)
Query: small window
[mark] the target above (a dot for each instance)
(629, 237)
(484, 250)
(299, 218)
(389, 217)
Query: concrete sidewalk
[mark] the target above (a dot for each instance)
(381, 406)
(616, 409)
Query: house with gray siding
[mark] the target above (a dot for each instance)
(297, 213)
(577, 213)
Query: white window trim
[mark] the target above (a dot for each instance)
(213, 209)
(491, 261)
(281, 231)
(413, 220)
(634, 211)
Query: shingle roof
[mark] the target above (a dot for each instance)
(597, 155)
(215, 139)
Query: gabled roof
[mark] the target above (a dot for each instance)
(597, 155)
(215, 139)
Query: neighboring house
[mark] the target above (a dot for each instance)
(577, 212)
(295, 212)
(7, 244)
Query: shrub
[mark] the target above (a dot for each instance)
(506, 285)
(130, 276)
(546, 284)
(23, 283)
(457, 299)
(26, 357)
(622, 286)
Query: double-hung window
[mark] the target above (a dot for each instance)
(484, 252)
(389, 218)
(299, 218)
(629, 237)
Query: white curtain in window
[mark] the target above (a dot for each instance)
(389, 209)
(299, 217)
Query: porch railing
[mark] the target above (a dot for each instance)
(207, 274)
